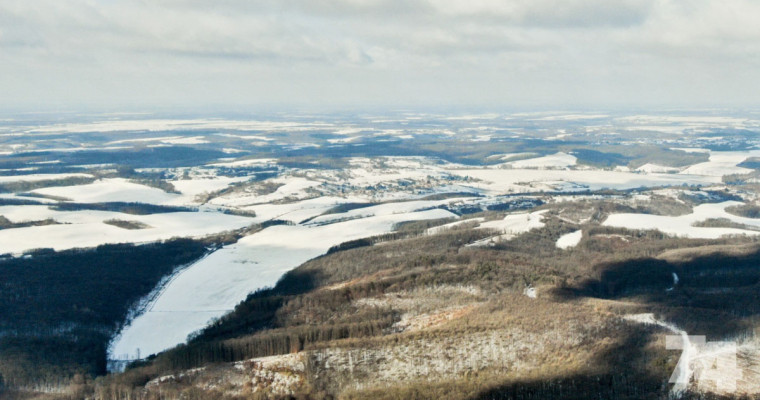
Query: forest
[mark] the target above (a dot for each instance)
(59, 310)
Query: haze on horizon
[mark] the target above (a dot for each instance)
(122, 54)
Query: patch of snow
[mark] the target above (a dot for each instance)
(344, 140)
(516, 223)
(438, 229)
(380, 209)
(186, 140)
(569, 240)
(691, 149)
(655, 168)
(511, 226)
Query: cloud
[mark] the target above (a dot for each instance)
(575, 52)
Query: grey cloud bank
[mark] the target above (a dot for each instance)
(338, 53)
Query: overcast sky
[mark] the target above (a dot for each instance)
(379, 53)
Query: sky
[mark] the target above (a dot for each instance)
(572, 54)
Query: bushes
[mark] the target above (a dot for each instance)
(745, 210)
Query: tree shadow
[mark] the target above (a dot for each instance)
(258, 310)
(714, 294)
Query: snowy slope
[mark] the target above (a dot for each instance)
(110, 190)
(722, 163)
(570, 240)
(86, 228)
(211, 287)
(40, 177)
(498, 181)
(558, 160)
(682, 225)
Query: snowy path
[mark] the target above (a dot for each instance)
(684, 370)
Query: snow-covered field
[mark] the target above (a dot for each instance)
(683, 226)
(559, 160)
(651, 168)
(499, 181)
(292, 188)
(82, 229)
(213, 286)
(110, 190)
(191, 188)
(40, 177)
(511, 226)
(378, 210)
(723, 163)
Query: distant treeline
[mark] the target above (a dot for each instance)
(121, 207)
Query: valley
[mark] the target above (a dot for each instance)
(362, 256)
